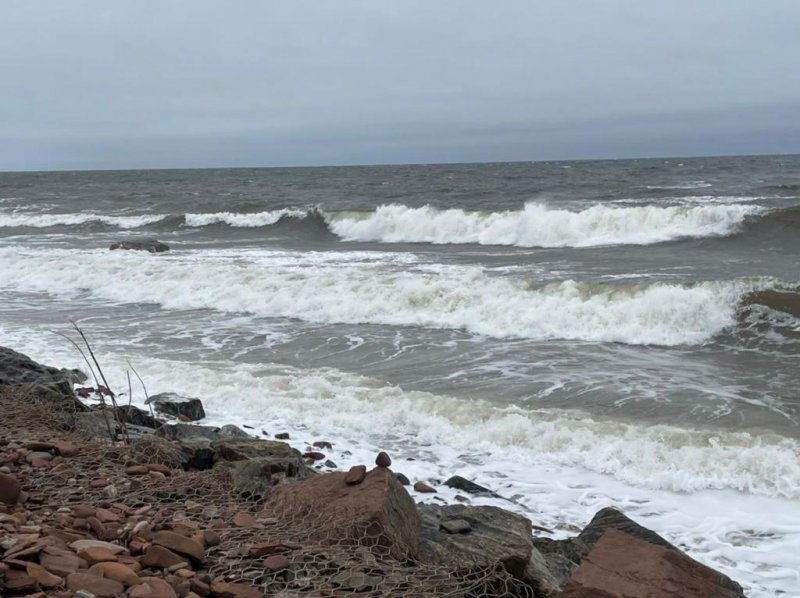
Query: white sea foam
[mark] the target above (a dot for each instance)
(456, 297)
(537, 225)
(729, 498)
(36, 220)
(244, 220)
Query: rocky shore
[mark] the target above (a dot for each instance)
(123, 502)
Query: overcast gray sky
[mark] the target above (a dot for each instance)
(141, 83)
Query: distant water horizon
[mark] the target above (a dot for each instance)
(571, 334)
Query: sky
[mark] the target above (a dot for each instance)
(199, 83)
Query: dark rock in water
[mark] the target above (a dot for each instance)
(138, 417)
(176, 405)
(231, 431)
(282, 436)
(424, 488)
(620, 564)
(402, 479)
(495, 537)
(150, 245)
(463, 484)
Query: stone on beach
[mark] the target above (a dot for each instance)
(176, 405)
(383, 460)
(149, 245)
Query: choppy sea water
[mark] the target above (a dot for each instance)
(571, 334)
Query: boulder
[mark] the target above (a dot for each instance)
(176, 405)
(378, 512)
(459, 483)
(150, 245)
(253, 478)
(197, 452)
(16, 368)
(277, 458)
(184, 431)
(9, 489)
(620, 564)
(462, 537)
(180, 544)
(138, 417)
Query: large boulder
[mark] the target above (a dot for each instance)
(176, 405)
(265, 463)
(375, 512)
(621, 565)
(467, 537)
(37, 382)
(150, 245)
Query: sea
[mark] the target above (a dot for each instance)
(571, 335)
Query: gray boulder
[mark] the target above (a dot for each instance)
(176, 405)
(150, 245)
(38, 382)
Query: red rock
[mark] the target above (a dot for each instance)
(314, 455)
(235, 590)
(266, 549)
(355, 475)
(158, 557)
(276, 562)
(65, 448)
(185, 573)
(97, 554)
(9, 489)
(42, 576)
(98, 528)
(99, 483)
(180, 544)
(158, 467)
(459, 498)
(243, 519)
(383, 460)
(152, 587)
(106, 515)
(137, 470)
(199, 587)
(98, 586)
(211, 538)
(622, 565)
(117, 572)
(22, 582)
(423, 487)
(83, 511)
(379, 504)
(61, 564)
(40, 463)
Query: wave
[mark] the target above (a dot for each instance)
(540, 226)
(243, 219)
(786, 300)
(458, 298)
(22, 219)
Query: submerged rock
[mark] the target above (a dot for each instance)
(150, 245)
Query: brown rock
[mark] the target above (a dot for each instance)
(61, 564)
(159, 467)
(423, 487)
(97, 554)
(9, 489)
(83, 511)
(137, 470)
(211, 538)
(622, 565)
(314, 455)
(152, 587)
(40, 463)
(180, 544)
(99, 483)
(65, 448)
(42, 576)
(276, 562)
(379, 505)
(98, 586)
(19, 583)
(158, 557)
(199, 587)
(106, 515)
(323, 444)
(235, 590)
(355, 475)
(243, 519)
(383, 460)
(117, 572)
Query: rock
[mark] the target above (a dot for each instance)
(355, 475)
(177, 405)
(181, 545)
(97, 554)
(270, 462)
(323, 444)
(463, 484)
(230, 431)
(117, 572)
(314, 455)
(610, 518)
(61, 564)
(383, 460)
(20, 583)
(455, 526)
(197, 453)
(9, 489)
(80, 545)
(152, 587)
(495, 537)
(65, 448)
(243, 519)
(42, 382)
(282, 435)
(137, 417)
(211, 538)
(42, 576)
(158, 557)
(424, 488)
(378, 511)
(276, 562)
(266, 549)
(620, 564)
(137, 470)
(402, 479)
(235, 590)
(149, 245)
(98, 586)
(356, 581)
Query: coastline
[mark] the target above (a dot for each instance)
(225, 482)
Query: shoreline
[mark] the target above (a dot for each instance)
(249, 481)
